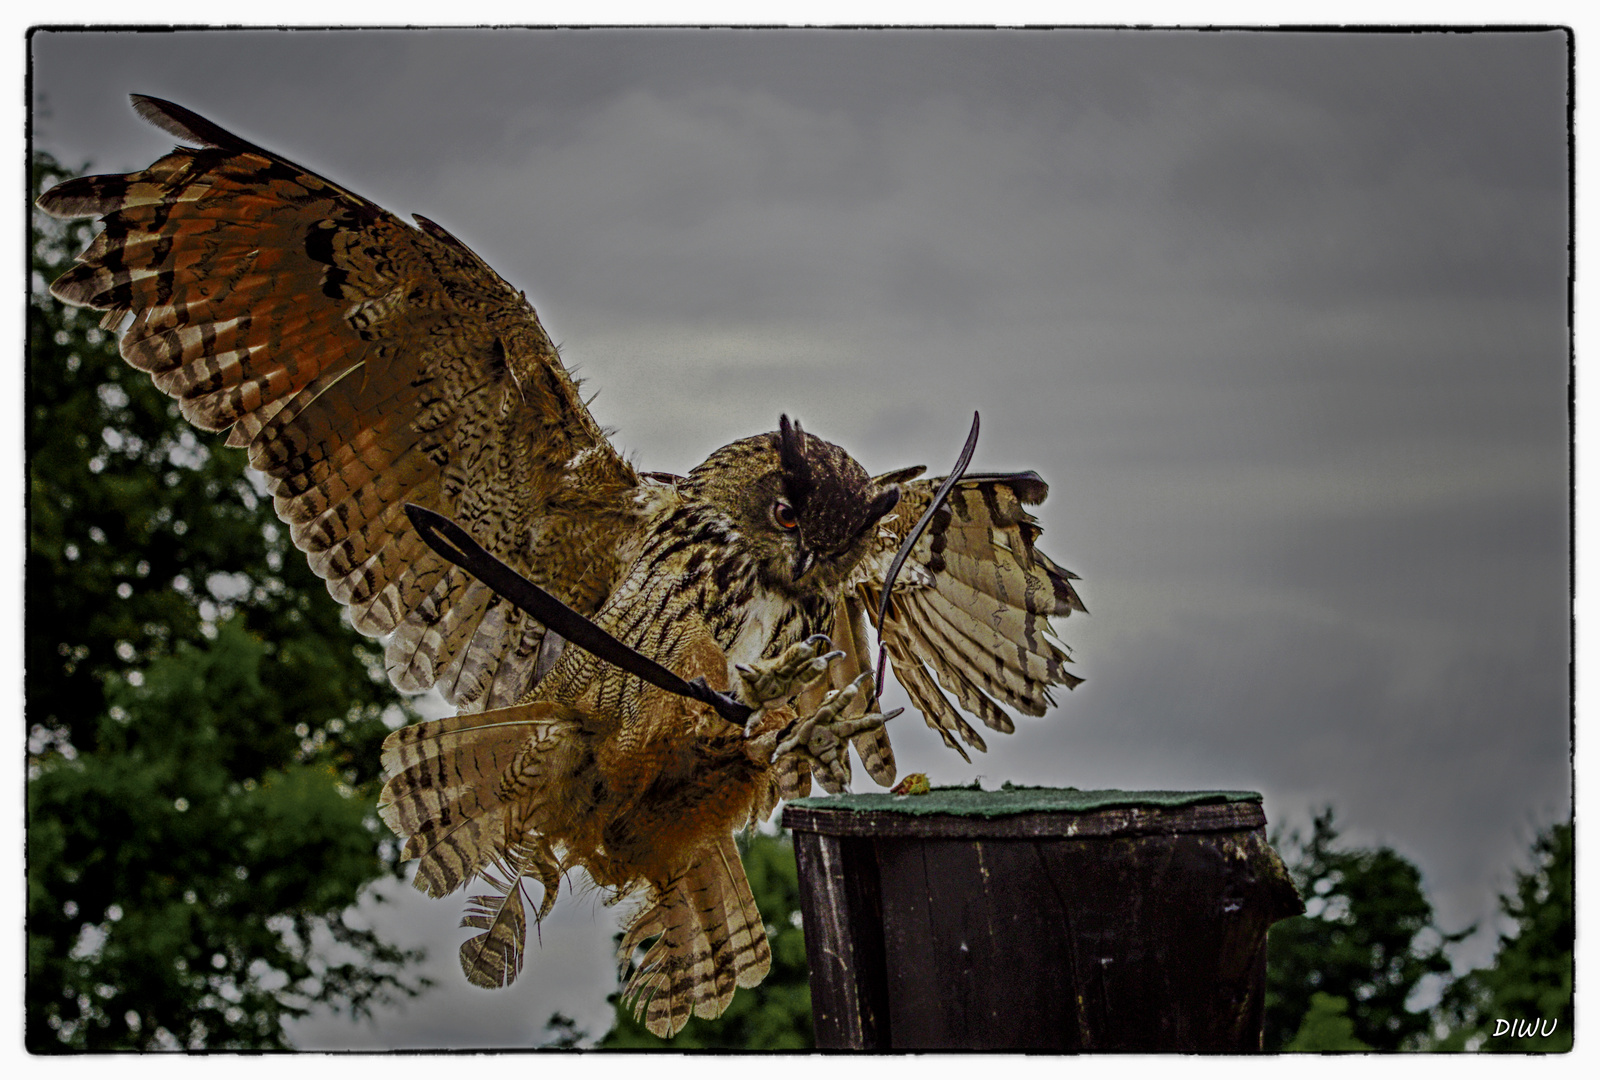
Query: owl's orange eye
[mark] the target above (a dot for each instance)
(784, 515)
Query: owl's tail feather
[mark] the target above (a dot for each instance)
(493, 958)
(709, 938)
(465, 793)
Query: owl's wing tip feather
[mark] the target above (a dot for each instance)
(174, 119)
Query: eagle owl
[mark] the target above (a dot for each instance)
(367, 364)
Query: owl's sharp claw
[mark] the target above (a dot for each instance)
(769, 683)
(823, 738)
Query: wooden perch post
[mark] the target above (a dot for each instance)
(1038, 919)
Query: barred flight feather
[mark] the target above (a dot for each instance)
(493, 958)
(364, 362)
(970, 611)
(462, 790)
(709, 938)
(936, 709)
(850, 629)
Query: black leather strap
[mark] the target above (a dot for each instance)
(451, 542)
(911, 539)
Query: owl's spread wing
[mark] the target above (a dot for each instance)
(970, 609)
(366, 364)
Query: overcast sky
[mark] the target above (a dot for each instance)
(1280, 317)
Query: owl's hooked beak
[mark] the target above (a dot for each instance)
(887, 500)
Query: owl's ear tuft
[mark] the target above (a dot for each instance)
(798, 481)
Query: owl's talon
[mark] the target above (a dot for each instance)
(769, 683)
(823, 738)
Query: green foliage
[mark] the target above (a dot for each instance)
(564, 1033)
(773, 1016)
(1368, 936)
(1529, 986)
(1326, 1028)
(203, 730)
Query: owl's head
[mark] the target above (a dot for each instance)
(806, 509)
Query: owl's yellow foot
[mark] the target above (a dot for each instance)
(767, 684)
(823, 737)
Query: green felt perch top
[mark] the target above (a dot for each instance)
(973, 801)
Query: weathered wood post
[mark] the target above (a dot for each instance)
(1038, 919)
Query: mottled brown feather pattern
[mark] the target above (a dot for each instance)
(365, 363)
(371, 363)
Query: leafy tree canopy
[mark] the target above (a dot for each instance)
(1368, 936)
(1326, 1028)
(1523, 1001)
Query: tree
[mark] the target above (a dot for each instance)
(1368, 937)
(1326, 1028)
(773, 1016)
(1523, 1002)
(564, 1033)
(203, 730)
